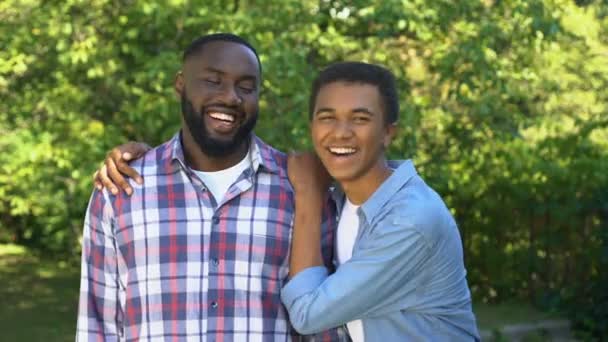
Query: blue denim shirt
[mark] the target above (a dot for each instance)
(406, 279)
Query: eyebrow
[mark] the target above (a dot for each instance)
(362, 110)
(323, 110)
(221, 72)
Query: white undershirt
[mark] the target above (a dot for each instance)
(218, 182)
(348, 227)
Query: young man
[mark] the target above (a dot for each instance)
(401, 275)
(199, 251)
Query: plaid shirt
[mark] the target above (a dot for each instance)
(168, 264)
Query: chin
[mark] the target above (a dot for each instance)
(223, 140)
(342, 177)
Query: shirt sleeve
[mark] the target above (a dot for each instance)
(98, 309)
(328, 229)
(379, 278)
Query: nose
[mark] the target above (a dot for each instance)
(230, 97)
(343, 130)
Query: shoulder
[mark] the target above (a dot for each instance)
(418, 207)
(100, 209)
(156, 161)
(271, 158)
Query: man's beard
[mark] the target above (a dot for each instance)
(209, 145)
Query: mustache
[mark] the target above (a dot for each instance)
(217, 106)
(234, 110)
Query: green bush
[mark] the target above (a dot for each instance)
(587, 302)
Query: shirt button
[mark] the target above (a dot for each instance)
(203, 189)
(215, 262)
(216, 220)
(214, 305)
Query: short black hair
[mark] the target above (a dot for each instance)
(359, 72)
(197, 45)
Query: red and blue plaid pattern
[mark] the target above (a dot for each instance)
(168, 264)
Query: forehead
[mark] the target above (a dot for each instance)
(227, 57)
(349, 95)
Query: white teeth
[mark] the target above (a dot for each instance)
(222, 116)
(342, 150)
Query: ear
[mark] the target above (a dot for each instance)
(391, 131)
(179, 84)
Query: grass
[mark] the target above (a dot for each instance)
(490, 317)
(39, 297)
(39, 300)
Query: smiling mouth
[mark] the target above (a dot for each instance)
(342, 151)
(228, 118)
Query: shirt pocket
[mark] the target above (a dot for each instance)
(271, 242)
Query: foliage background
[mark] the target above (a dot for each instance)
(504, 111)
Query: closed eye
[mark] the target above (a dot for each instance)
(247, 90)
(325, 117)
(212, 81)
(361, 119)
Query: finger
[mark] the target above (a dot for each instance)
(125, 169)
(115, 154)
(291, 160)
(133, 150)
(105, 180)
(117, 177)
(96, 181)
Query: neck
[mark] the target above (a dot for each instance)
(200, 161)
(361, 189)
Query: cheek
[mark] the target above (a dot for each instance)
(374, 140)
(196, 102)
(316, 135)
(197, 105)
(251, 105)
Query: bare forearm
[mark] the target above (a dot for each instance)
(306, 242)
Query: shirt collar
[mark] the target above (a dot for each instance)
(403, 171)
(264, 155)
(172, 157)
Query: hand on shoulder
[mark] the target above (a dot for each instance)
(112, 173)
